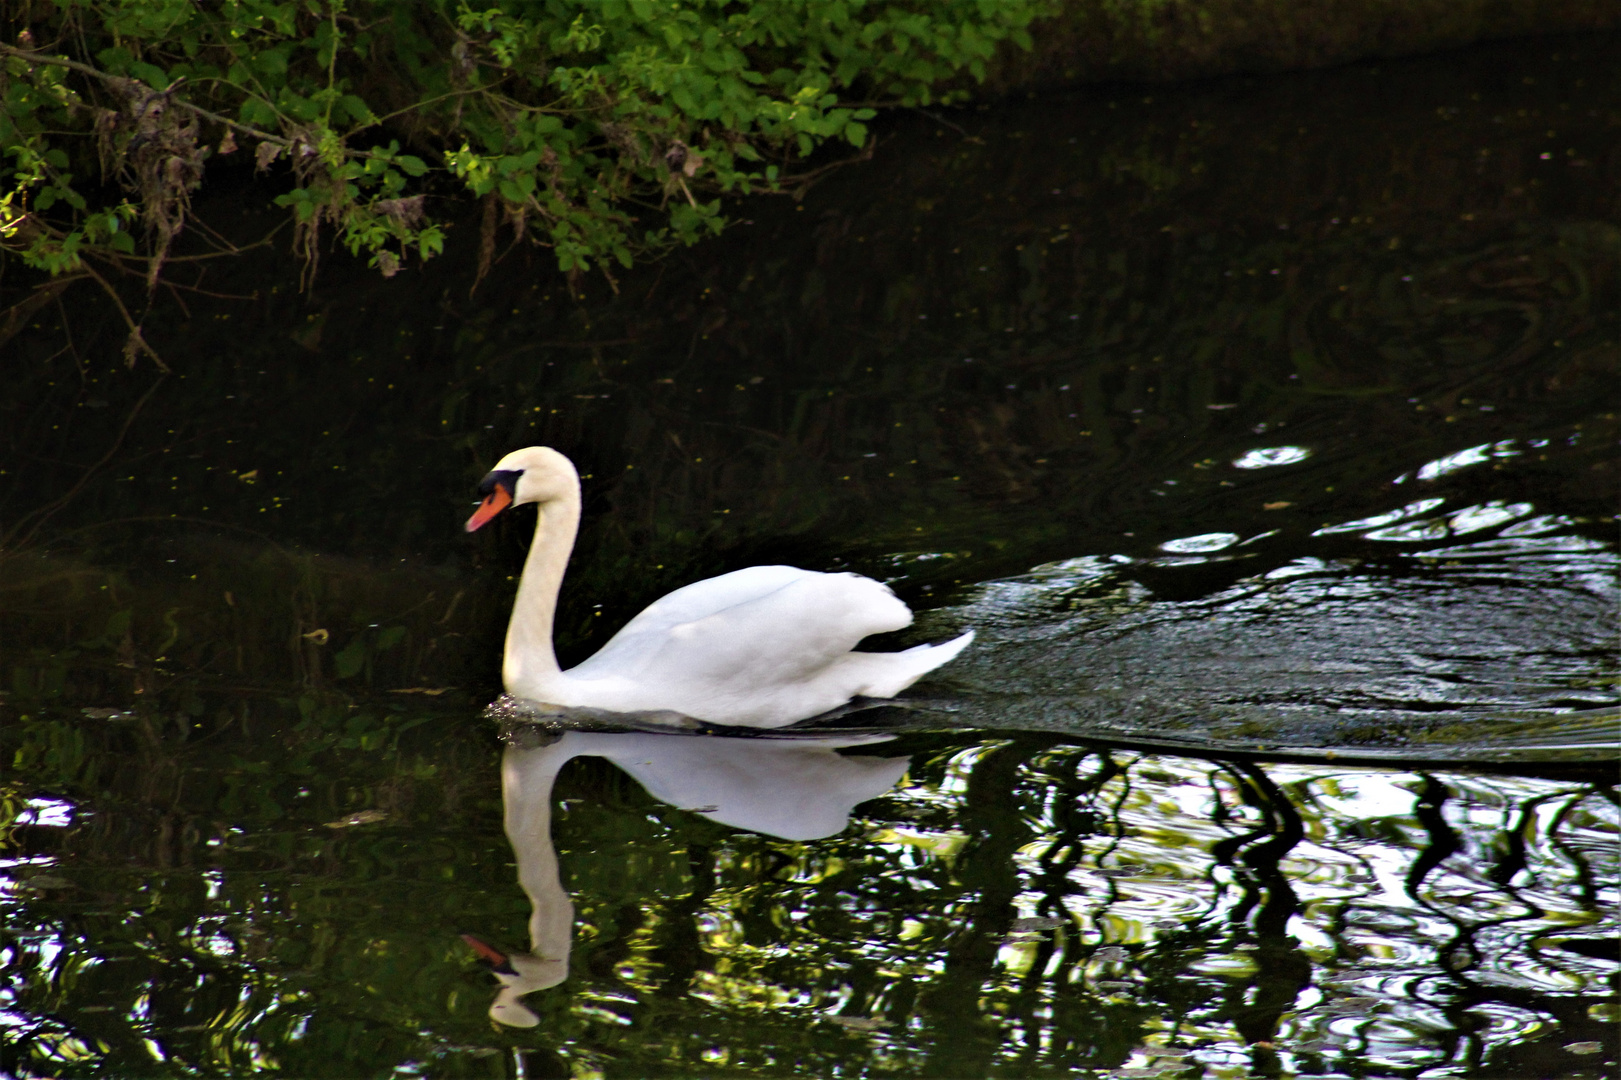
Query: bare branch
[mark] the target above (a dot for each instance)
(17, 315)
(135, 344)
(30, 524)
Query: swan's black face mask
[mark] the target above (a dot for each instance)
(497, 489)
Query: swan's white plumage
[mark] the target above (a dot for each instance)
(760, 647)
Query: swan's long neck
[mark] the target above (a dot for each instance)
(529, 667)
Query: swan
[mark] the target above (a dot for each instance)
(760, 647)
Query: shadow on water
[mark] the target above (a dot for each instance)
(1263, 429)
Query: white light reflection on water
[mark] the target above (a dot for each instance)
(1189, 545)
(1412, 509)
(1267, 457)
(1474, 455)
(1396, 524)
(48, 813)
(1487, 516)
(1538, 525)
(1409, 532)
(1388, 958)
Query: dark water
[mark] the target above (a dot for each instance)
(1264, 431)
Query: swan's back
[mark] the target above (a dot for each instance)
(704, 598)
(762, 619)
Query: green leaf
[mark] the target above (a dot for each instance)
(115, 59)
(150, 74)
(272, 62)
(358, 110)
(117, 626)
(352, 658)
(257, 112)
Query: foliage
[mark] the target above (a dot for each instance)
(604, 129)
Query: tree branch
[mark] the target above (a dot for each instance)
(24, 530)
(96, 73)
(135, 343)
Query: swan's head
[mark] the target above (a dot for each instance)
(519, 974)
(535, 474)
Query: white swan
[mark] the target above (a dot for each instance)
(760, 647)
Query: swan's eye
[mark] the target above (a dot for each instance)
(507, 478)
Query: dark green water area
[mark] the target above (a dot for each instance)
(1263, 429)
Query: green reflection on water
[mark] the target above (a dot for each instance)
(1025, 907)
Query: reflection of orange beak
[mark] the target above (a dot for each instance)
(489, 954)
(495, 502)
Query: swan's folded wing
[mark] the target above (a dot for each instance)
(704, 598)
(762, 625)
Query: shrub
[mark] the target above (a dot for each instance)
(607, 130)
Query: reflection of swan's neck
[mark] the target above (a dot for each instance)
(527, 777)
(529, 667)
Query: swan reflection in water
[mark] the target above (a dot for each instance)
(796, 788)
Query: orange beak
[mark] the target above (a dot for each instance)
(495, 502)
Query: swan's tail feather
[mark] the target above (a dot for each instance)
(948, 650)
(890, 673)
